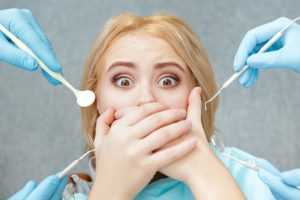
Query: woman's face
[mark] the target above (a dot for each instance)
(139, 69)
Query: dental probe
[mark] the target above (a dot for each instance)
(239, 73)
(73, 164)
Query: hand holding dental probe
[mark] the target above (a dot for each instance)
(237, 74)
(22, 23)
(284, 54)
(84, 98)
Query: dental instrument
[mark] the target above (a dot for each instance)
(239, 73)
(84, 98)
(219, 145)
(74, 163)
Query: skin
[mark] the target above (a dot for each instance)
(144, 86)
(150, 122)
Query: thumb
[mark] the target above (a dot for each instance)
(103, 124)
(272, 59)
(194, 109)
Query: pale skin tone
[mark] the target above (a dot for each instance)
(150, 122)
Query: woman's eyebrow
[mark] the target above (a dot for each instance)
(157, 66)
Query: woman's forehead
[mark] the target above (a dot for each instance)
(139, 48)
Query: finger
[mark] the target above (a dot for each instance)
(25, 32)
(14, 56)
(164, 135)
(103, 124)
(252, 79)
(45, 189)
(59, 191)
(156, 121)
(246, 77)
(278, 186)
(122, 111)
(24, 192)
(143, 111)
(194, 110)
(36, 26)
(50, 79)
(168, 155)
(254, 37)
(266, 60)
(292, 177)
(266, 165)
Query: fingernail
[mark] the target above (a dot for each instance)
(199, 89)
(236, 65)
(30, 184)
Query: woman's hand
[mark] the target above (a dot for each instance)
(203, 172)
(127, 154)
(181, 169)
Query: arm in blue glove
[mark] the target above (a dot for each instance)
(22, 24)
(283, 54)
(51, 188)
(283, 185)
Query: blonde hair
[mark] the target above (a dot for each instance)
(174, 31)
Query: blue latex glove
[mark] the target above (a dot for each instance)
(22, 24)
(283, 54)
(51, 188)
(283, 185)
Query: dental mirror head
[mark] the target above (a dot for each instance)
(85, 98)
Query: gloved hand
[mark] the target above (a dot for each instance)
(51, 188)
(283, 185)
(22, 24)
(283, 54)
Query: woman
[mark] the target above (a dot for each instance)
(283, 185)
(152, 138)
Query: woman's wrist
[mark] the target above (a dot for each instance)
(102, 190)
(209, 178)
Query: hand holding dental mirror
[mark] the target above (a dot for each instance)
(84, 98)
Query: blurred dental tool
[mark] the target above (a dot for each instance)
(219, 145)
(73, 164)
(84, 98)
(239, 73)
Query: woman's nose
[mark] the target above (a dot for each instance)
(146, 96)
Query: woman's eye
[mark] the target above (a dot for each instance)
(168, 81)
(122, 81)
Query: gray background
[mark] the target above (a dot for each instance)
(40, 124)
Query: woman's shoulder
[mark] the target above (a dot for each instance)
(244, 168)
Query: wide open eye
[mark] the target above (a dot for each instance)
(122, 81)
(168, 81)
